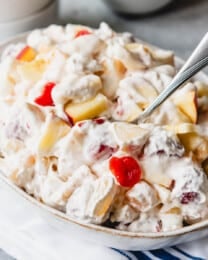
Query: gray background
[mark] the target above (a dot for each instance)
(178, 27)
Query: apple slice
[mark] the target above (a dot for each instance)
(82, 32)
(171, 221)
(137, 87)
(163, 193)
(113, 71)
(54, 129)
(195, 144)
(187, 103)
(202, 151)
(133, 114)
(103, 196)
(125, 131)
(202, 89)
(127, 112)
(119, 66)
(158, 55)
(147, 91)
(183, 128)
(158, 178)
(26, 54)
(129, 136)
(32, 71)
(162, 56)
(153, 172)
(190, 140)
(88, 109)
(142, 197)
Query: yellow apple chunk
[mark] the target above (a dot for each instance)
(188, 105)
(113, 71)
(148, 92)
(88, 109)
(32, 71)
(119, 66)
(183, 128)
(158, 178)
(126, 132)
(158, 55)
(195, 144)
(133, 113)
(107, 188)
(190, 140)
(202, 89)
(54, 129)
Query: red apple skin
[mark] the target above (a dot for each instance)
(26, 54)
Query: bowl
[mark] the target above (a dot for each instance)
(136, 6)
(42, 18)
(24, 208)
(16, 9)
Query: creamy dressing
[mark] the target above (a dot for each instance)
(64, 158)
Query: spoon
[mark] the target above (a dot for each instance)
(197, 61)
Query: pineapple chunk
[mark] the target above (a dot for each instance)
(32, 71)
(88, 109)
(54, 129)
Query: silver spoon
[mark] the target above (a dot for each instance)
(197, 61)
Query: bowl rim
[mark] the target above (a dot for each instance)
(24, 11)
(39, 13)
(64, 217)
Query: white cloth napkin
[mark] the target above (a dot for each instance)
(35, 239)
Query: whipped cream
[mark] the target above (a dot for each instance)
(69, 96)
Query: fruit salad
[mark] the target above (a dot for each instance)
(68, 99)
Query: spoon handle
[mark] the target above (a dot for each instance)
(197, 61)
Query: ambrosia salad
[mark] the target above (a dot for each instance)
(68, 96)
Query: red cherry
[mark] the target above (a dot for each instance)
(99, 121)
(126, 170)
(82, 33)
(45, 98)
(188, 197)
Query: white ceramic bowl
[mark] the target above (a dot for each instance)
(26, 209)
(42, 18)
(15, 9)
(136, 6)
